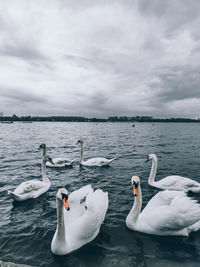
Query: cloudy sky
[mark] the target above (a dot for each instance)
(100, 58)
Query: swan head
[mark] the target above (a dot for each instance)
(151, 157)
(47, 158)
(42, 146)
(135, 180)
(79, 142)
(62, 195)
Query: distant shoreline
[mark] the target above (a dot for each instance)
(29, 119)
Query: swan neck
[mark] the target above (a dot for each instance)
(81, 159)
(153, 171)
(135, 211)
(44, 151)
(60, 222)
(45, 179)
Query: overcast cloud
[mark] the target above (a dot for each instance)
(100, 58)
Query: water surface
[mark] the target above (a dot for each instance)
(27, 228)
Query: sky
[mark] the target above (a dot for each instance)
(98, 58)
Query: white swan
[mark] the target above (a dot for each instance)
(33, 188)
(78, 224)
(167, 213)
(93, 161)
(57, 162)
(173, 182)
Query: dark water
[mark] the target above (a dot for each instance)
(27, 228)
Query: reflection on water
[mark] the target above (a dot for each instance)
(27, 228)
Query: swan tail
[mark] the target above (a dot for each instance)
(74, 160)
(194, 190)
(97, 202)
(112, 160)
(194, 228)
(107, 162)
(71, 162)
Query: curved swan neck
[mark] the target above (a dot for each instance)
(60, 222)
(81, 159)
(134, 213)
(45, 179)
(153, 171)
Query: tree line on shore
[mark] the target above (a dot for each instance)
(84, 119)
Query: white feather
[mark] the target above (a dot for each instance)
(173, 182)
(81, 224)
(167, 213)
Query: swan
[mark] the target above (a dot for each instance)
(57, 162)
(33, 188)
(78, 224)
(167, 213)
(173, 182)
(93, 161)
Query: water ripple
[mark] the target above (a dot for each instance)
(27, 228)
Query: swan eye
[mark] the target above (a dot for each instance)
(135, 184)
(64, 196)
(42, 146)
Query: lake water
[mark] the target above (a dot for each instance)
(27, 228)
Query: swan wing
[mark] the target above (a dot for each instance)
(97, 203)
(31, 189)
(77, 208)
(162, 198)
(87, 226)
(97, 161)
(170, 211)
(79, 194)
(177, 182)
(61, 160)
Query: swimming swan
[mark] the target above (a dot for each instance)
(93, 161)
(78, 224)
(173, 182)
(57, 162)
(167, 213)
(33, 188)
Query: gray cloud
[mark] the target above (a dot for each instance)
(20, 95)
(100, 58)
(16, 44)
(21, 50)
(184, 85)
(174, 14)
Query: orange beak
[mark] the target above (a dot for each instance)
(66, 203)
(135, 190)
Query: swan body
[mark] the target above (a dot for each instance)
(60, 163)
(33, 188)
(173, 182)
(167, 213)
(93, 161)
(78, 224)
(96, 162)
(57, 162)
